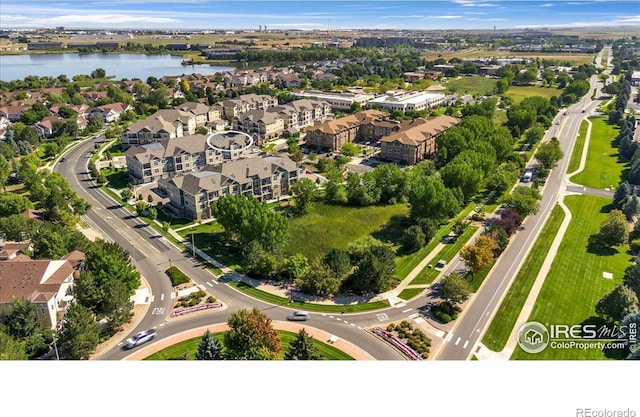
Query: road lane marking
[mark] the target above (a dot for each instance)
(339, 319)
(345, 322)
(158, 310)
(324, 315)
(418, 320)
(353, 324)
(359, 327)
(330, 317)
(407, 310)
(215, 282)
(161, 324)
(465, 344)
(414, 315)
(382, 317)
(458, 341)
(449, 337)
(209, 284)
(173, 295)
(440, 333)
(153, 297)
(162, 297)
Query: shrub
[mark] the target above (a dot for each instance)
(443, 317)
(211, 299)
(176, 276)
(390, 327)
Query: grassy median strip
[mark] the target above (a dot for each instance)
(427, 275)
(406, 264)
(318, 308)
(500, 328)
(409, 293)
(576, 155)
(602, 168)
(575, 282)
(190, 347)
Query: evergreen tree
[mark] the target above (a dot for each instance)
(209, 348)
(80, 333)
(622, 191)
(303, 349)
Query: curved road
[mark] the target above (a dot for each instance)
(153, 254)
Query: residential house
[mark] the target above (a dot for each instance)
(48, 284)
(161, 125)
(237, 106)
(110, 112)
(265, 178)
(44, 128)
(13, 113)
(415, 140)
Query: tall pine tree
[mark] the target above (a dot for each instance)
(209, 348)
(303, 349)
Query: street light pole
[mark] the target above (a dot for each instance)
(193, 245)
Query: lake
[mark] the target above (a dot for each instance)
(14, 67)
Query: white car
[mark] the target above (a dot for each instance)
(140, 338)
(298, 316)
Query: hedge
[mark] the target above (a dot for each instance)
(176, 276)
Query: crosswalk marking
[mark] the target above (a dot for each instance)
(153, 297)
(458, 341)
(173, 295)
(465, 344)
(162, 297)
(449, 337)
(209, 284)
(414, 315)
(407, 310)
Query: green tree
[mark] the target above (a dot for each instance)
(632, 278)
(98, 73)
(454, 289)
(118, 307)
(126, 194)
(303, 348)
(413, 239)
(524, 200)
(374, 270)
(79, 335)
(334, 191)
(350, 149)
(209, 348)
(296, 266)
(618, 303)
(613, 230)
(5, 171)
(549, 153)
(338, 262)
(11, 349)
(22, 322)
(246, 219)
(320, 280)
(621, 194)
(51, 149)
(152, 213)
(251, 336)
(48, 244)
(13, 204)
(631, 207)
(429, 198)
(303, 194)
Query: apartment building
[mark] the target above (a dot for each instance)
(237, 106)
(169, 157)
(161, 125)
(415, 141)
(338, 100)
(268, 178)
(333, 134)
(262, 125)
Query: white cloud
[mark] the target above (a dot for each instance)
(110, 18)
(475, 13)
(447, 16)
(547, 5)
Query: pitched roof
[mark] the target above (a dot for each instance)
(36, 280)
(419, 130)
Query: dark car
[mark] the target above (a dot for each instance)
(63, 159)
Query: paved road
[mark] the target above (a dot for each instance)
(153, 254)
(592, 191)
(470, 327)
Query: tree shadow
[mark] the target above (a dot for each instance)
(599, 323)
(607, 208)
(392, 231)
(595, 247)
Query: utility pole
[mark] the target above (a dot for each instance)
(193, 245)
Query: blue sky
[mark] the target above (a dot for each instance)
(239, 14)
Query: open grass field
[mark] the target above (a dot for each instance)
(576, 155)
(190, 347)
(602, 169)
(332, 226)
(116, 177)
(575, 282)
(427, 275)
(500, 328)
(471, 85)
(517, 93)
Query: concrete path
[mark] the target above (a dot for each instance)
(585, 149)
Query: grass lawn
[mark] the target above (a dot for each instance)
(174, 222)
(602, 169)
(114, 149)
(574, 163)
(190, 347)
(409, 293)
(319, 308)
(116, 177)
(504, 320)
(333, 226)
(575, 283)
(406, 263)
(471, 85)
(427, 275)
(517, 93)
(208, 238)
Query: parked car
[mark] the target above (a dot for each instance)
(298, 316)
(140, 338)
(441, 264)
(528, 176)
